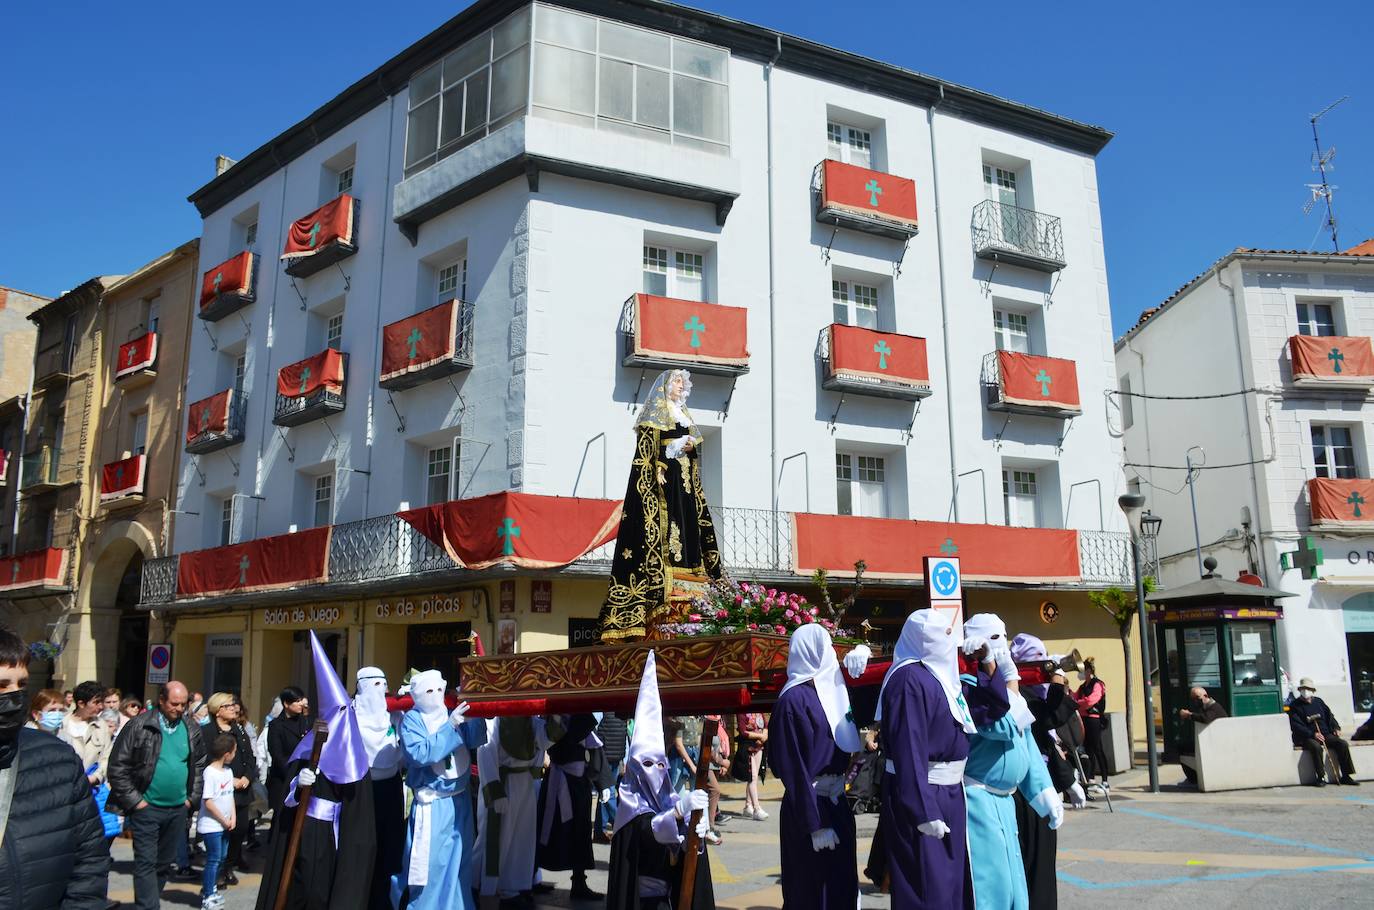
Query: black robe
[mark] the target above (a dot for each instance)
(325, 878)
(284, 733)
(634, 852)
(1039, 843)
(570, 842)
(666, 531)
(389, 804)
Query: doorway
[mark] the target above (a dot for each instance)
(302, 663)
(131, 651)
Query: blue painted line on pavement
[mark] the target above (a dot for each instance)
(1237, 832)
(1212, 877)
(1362, 800)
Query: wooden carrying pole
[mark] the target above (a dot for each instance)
(689, 859)
(298, 820)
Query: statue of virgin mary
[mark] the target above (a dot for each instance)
(666, 552)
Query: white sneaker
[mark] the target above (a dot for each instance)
(759, 814)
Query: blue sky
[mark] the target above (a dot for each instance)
(113, 113)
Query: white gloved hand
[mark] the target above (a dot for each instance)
(1001, 656)
(972, 644)
(1047, 804)
(500, 805)
(824, 839)
(703, 828)
(856, 661)
(459, 713)
(605, 796)
(936, 829)
(306, 778)
(688, 801)
(1077, 798)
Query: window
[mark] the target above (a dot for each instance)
(1012, 330)
(1316, 319)
(999, 184)
(324, 500)
(1127, 403)
(438, 474)
(477, 88)
(333, 332)
(226, 521)
(849, 144)
(859, 485)
(140, 433)
(1019, 499)
(674, 273)
(250, 235)
(240, 371)
(345, 182)
(453, 282)
(855, 304)
(152, 309)
(1333, 451)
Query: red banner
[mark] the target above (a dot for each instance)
(209, 415)
(235, 276)
(519, 529)
(683, 330)
(850, 188)
(36, 567)
(860, 353)
(1046, 382)
(330, 223)
(1331, 358)
(119, 479)
(306, 377)
(137, 355)
(264, 564)
(419, 342)
(893, 548)
(4, 466)
(1341, 503)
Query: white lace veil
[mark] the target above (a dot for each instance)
(661, 411)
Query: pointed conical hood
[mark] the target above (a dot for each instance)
(645, 787)
(344, 757)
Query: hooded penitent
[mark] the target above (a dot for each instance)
(375, 721)
(344, 757)
(645, 788)
(990, 626)
(931, 639)
(811, 657)
(1027, 649)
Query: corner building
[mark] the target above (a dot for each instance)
(890, 291)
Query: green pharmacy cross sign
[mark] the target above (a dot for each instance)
(883, 351)
(508, 531)
(696, 327)
(873, 190)
(1306, 557)
(1335, 357)
(414, 341)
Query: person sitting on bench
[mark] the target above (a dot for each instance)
(1315, 729)
(1204, 710)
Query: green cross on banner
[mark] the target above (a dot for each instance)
(305, 378)
(1335, 357)
(243, 569)
(129, 360)
(508, 530)
(205, 419)
(1044, 379)
(414, 341)
(14, 573)
(873, 190)
(882, 350)
(219, 276)
(1306, 557)
(314, 233)
(119, 477)
(696, 327)
(1356, 500)
(948, 548)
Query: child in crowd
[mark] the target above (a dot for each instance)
(217, 816)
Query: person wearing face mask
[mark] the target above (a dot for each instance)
(380, 729)
(46, 711)
(1092, 707)
(651, 823)
(509, 766)
(52, 852)
(1314, 728)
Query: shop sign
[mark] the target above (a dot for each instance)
(422, 608)
(324, 615)
(541, 596)
(508, 596)
(582, 633)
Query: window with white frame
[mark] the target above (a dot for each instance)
(240, 371)
(439, 475)
(849, 144)
(452, 282)
(674, 273)
(333, 332)
(1333, 451)
(1012, 330)
(1316, 319)
(226, 521)
(250, 235)
(324, 500)
(855, 303)
(1020, 498)
(860, 485)
(999, 184)
(345, 181)
(140, 433)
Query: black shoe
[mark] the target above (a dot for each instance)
(228, 879)
(1350, 781)
(543, 888)
(186, 874)
(1321, 782)
(580, 892)
(242, 866)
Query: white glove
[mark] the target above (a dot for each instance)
(305, 779)
(936, 829)
(605, 796)
(456, 718)
(1077, 798)
(1007, 666)
(824, 839)
(972, 644)
(1047, 804)
(703, 828)
(500, 805)
(856, 661)
(688, 801)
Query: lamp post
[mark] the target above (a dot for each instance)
(1131, 504)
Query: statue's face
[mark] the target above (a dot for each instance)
(675, 388)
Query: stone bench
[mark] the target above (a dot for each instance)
(1242, 753)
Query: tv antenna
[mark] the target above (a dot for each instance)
(1321, 162)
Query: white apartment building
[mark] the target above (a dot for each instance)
(574, 171)
(1285, 336)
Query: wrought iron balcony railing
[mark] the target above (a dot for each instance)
(53, 364)
(294, 411)
(1104, 558)
(204, 443)
(459, 359)
(1011, 234)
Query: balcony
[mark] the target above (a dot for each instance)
(427, 346)
(1017, 236)
(1345, 504)
(848, 196)
(229, 287)
(137, 363)
(325, 236)
(866, 362)
(1331, 362)
(40, 571)
(665, 333)
(1018, 383)
(54, 365)
(311, 389)
(122, 482)
(215, 423)
(39, 472)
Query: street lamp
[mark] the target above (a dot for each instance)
(1143, 526)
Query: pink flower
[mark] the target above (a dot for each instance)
(694, 617)
(722, 614)
(739, 599)
(789, 615)
(772, 592)
(815, 611)
(781, 630)
(753, 627)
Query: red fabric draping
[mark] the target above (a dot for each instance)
(264, 564)
(136, 355)
(234, 276)
(119, 479)
(723, 700)
(893, 548)
(4, 465)
(306, 377)
(209, 415)
(1329, 358)
(519, 529)
(865, 192)
(683, 330)
(1044, 381)
(884, 356)
(36, 567)
(331, 222)
(1337, 503)
(419, 342)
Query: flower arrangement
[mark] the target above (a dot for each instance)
(730, 607)
(44, 650)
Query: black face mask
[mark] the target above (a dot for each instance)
(12, 705)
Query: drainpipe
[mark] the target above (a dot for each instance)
(772, 297)
(944, 308)
(377, 328)
(1249, 434)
